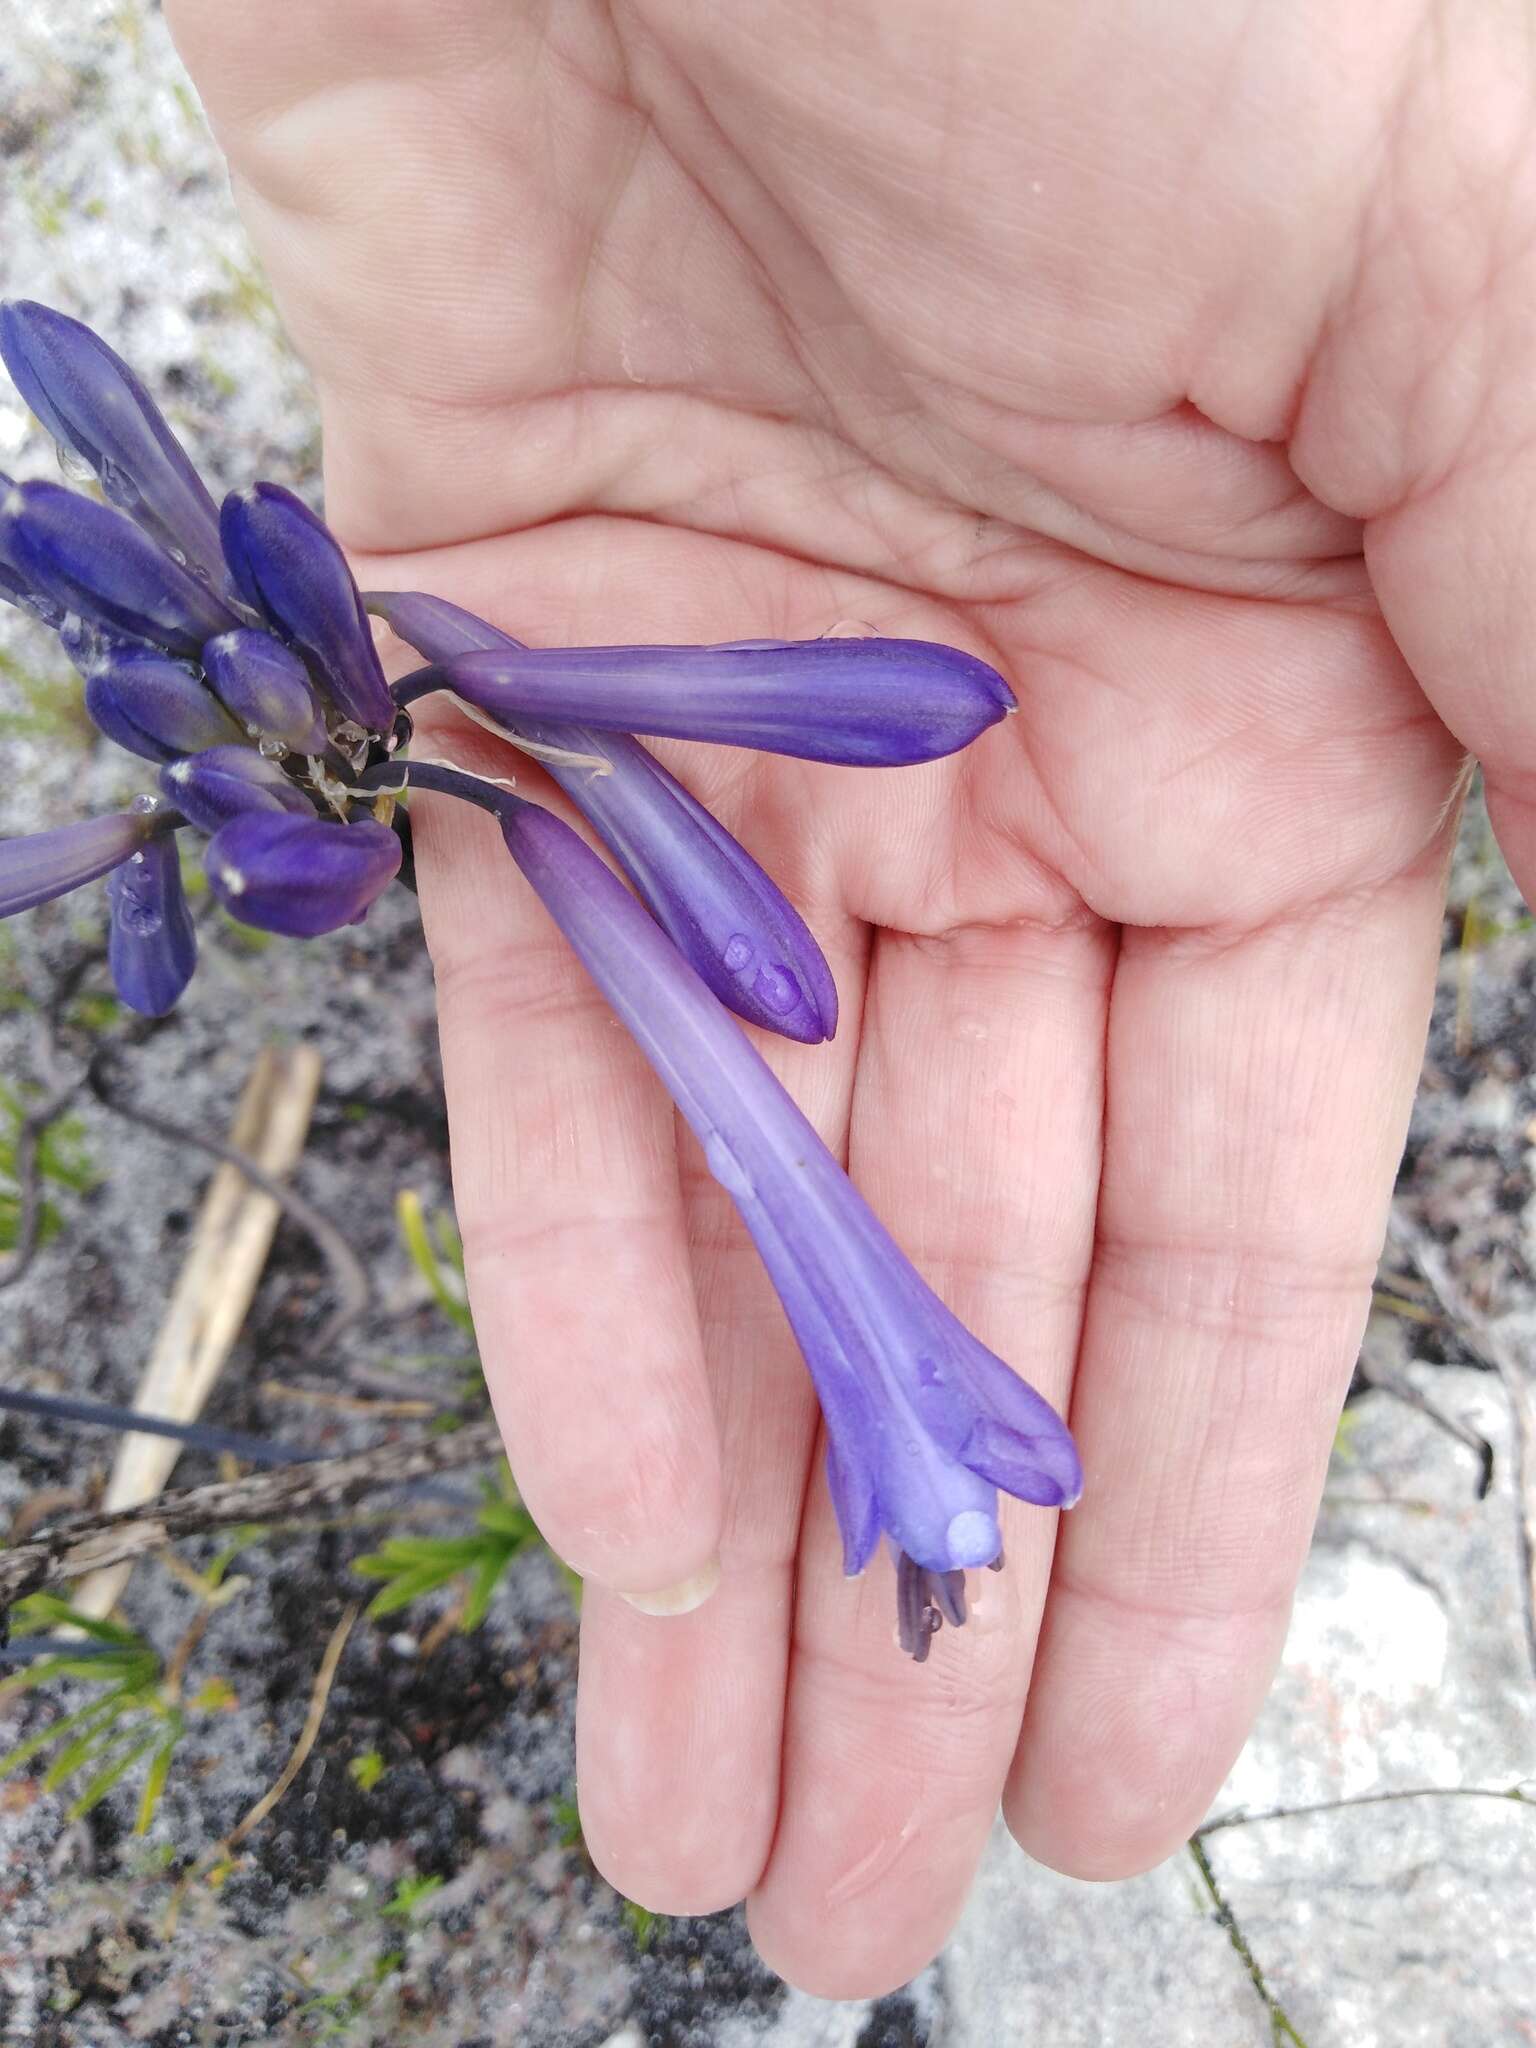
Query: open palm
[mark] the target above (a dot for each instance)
(1018, 328)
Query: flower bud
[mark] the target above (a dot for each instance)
(86, 396)
(868, 703)
(300, 876)
(151, 945)
(221, 783)
(93, 560)
(154, 706)
(266, 687)
(287, 564)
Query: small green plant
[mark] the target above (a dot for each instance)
(47, 706)
(413, 1565)
(132, 1715)
(366, 1770)
(437, 1252)
(409, 1893)
(642, 1924)
(61, 1159)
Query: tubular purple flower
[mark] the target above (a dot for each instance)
(868, 703)
(727, 917)
(924, 1423)
(87, 397)
(151, 945)
(154, 706)
(267, 688)
(299, 876)
(92, 559)
(287, 564)
(43, 865)
(222, 783)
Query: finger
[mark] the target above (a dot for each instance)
(975, 1134)
(680, 1722)
(565, 1177)
(1258, 1096)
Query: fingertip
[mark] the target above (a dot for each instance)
(1129, 1734)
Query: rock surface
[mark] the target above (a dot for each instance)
(1409, 1665)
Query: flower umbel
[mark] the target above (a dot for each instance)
(234, 653)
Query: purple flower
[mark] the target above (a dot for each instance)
(869, 703)
(93, 560)
(266, 687)
(153, 706)
(286, 563)
(726, 916)
(43, 865)
(151, 946)
(89, 400)
(299, 876)
(924, 1423)
(222, 783)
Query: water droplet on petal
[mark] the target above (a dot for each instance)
(739, 952)
(778, 988)
(852, 629)
(726, 1168)
(73, 463)
(117, 485)
(271, 750)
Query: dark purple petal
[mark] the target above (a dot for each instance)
(871, 703)
(88, 399)
(14, 587)
(151, 945)
(726, 916)
(894, 1369)
(267, 688)
(287, 564)
(222, 783)
(48, 864)
(154, 706)
(93, 560)
(300, 876)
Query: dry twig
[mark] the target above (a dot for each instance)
(85, 1543)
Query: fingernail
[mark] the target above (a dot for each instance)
(679, 1599)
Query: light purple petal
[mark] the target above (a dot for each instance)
(43, 865)
(870, 703)
(727, 917)
(864, 1318)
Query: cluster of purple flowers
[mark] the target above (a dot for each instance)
(230, 647)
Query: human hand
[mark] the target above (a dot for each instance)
(1180, 369)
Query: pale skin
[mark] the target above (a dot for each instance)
(1179, 362)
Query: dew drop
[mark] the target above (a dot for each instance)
(851, 629)
(272, 750)
(739, 952)
(118, 485)
(726, 1168)
(778, 988)
(73, 463)
(45, 609)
